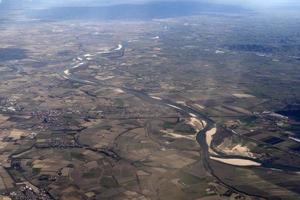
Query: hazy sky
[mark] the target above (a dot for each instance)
(251, 3)
(240, 2)
(257, 3)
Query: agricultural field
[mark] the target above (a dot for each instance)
(193, 107)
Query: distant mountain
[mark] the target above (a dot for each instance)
(151, 10)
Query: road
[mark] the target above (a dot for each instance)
(183, 109)
(201, 135)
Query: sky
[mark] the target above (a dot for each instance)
(247, 3)
(260, 3)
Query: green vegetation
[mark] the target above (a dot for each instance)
(248, 119)
(184, 128)
(107, 127)
(35, 171)
(119, 103)
(168, 125)
(189, 179)
(108, 182)
(78, 156)
(93, 173)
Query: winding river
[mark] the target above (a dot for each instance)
(204, 137)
